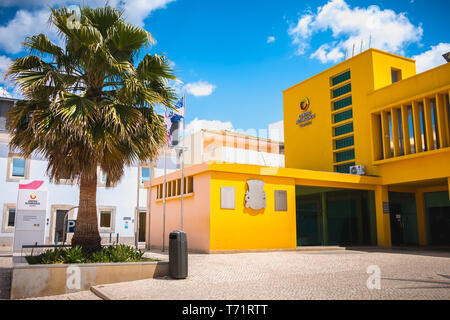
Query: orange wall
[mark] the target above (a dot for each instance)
(196, 216)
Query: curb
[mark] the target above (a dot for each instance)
(96, 290)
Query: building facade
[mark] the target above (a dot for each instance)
(232, 147)
(371, 110)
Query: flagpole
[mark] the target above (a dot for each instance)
(182, 162)
(164, 198)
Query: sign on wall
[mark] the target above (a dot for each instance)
(227, 198)
(31, 209)
(306, 116)
(255, 197)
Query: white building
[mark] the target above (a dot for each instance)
(117, 207)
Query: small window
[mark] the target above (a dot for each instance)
(396, 75)
(340, 78)
(342, 90)
(145, 174)
(11, 216)
(342, 116)
(190, 187)
(18, 167)
(105, 219)
(345, 155)
(344, 143)
(347, 128)
(342, 103)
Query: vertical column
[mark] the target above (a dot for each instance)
(448, 179)
(417, 129)
(421, 220)
(383, 219)
(447, 116)
(440, 110)
(385, 135)
(359, 219)
(324, 218)
(395, 137)
(428, 124)
(405, 124)
(376, 135)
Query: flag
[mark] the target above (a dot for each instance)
(178, 114)
(168, 124)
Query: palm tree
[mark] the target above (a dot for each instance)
(90, 103)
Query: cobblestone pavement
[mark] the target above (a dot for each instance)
(410, 274)
(300, 275)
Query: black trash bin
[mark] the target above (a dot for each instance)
(178, 255)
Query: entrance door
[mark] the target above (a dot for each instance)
(403, 216)
(59, 225)
(142, 226)
(396, 224)
(439, 218)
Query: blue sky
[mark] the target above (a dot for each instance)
(235, 57)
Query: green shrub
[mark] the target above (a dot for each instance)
(74, 255)
(115, 253)
(52, 256)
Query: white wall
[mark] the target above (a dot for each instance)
(123, 196)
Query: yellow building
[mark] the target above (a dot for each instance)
(371, 110)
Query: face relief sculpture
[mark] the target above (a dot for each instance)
(255, 197)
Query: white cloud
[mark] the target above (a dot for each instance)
(4, 93)
(4, 64)
(199, 88)
(431, 58)
(325, 54)
(197, 125)
(271, 39)
(136, 11)
(24, 23)
(28, 22)
(388, 30)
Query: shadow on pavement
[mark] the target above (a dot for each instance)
(428, 251)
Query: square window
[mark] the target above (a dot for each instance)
(145, 174)
(105, 219)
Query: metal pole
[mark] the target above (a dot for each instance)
(182, 163)
(149, 204)
(164, 200)
(136, 214)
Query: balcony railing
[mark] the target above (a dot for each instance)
(415, 126)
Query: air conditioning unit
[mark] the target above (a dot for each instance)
(358, 170)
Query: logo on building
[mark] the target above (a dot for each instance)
(304, 104)
(33, 196)
(255, 197)
(306, 116)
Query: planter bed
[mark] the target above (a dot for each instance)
(38, 280)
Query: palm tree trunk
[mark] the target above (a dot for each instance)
(86, 230)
